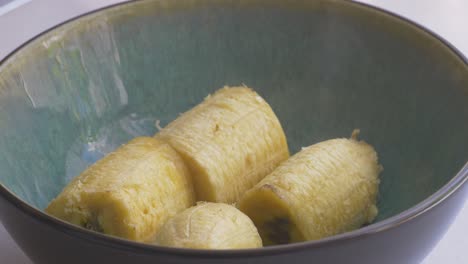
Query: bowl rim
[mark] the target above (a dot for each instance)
(407, 215)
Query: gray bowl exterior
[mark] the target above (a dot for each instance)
(326, 67)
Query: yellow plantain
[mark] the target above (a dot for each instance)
(209, 226)
(325, 189)
(129, 193)
(230, 142)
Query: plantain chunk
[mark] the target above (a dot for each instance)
(230, 142)
(129, 193)
(325, 189)
(209, 226)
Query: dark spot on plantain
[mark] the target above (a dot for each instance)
(92, 224)
(278, 230)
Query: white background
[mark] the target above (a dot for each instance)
(448, 18)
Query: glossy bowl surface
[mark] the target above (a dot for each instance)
(78, 91)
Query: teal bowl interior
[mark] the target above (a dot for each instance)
(326, 67)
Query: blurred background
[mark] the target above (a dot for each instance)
(21, 20)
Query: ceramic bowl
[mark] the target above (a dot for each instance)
(79, 90)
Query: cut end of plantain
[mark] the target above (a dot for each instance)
(129, 193)
(325, 189)
(209, 226)
(230, 142)
(271, 214)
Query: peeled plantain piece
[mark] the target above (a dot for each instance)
(209, 226)
(129, 193)
(325, 189)
(230, 142)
